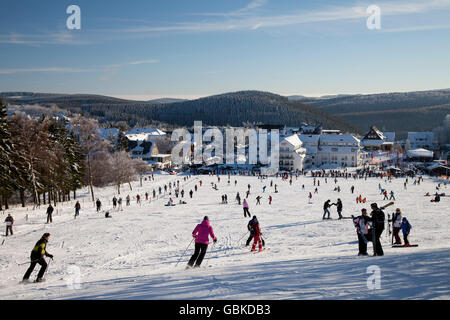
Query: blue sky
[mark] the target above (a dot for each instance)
(148, 49)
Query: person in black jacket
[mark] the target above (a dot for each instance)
(377, 219)
(77, 209)
(338, 204)
(98, 204)
(9, 223)
(37, 256)
(49, 213)
(326, 207)
(250, 228)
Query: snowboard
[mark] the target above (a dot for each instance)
(403, 246)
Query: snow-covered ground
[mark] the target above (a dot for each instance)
(134, 254)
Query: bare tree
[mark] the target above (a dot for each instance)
(87, 131)
(124, 169)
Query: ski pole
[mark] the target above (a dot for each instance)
(241, 239)
(21, 264)
(185, 251)
(46, 269)
(207, 260)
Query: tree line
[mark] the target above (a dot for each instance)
(46, 159)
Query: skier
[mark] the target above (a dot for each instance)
(362, 231)
(406, 228)
(257, 200)
(99, 205)
(201, 234)
(77, 209)
(251, 229)
(338, 204)
(352, 189)
(190, 193)
(309, 197)
(270, 199)
(49, 213)
(225, 198)
(114, 202)
(245, 206)
(264, 189)
(120, 204)
(385, 195)
(37, 256)
(397, 225)
(326, 210)
(238, 198)
(128, 199)
(392, 196)
(138, 199)
(257, 236)
(9, 223)
(146, 196)
(182, 193)
(377, 218)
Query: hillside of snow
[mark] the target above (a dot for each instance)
(134, 254)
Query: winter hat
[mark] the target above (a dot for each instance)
(374, 205)
(206, 218)
(45, 235)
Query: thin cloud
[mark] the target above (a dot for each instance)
(111, 68)
(236, 21)
(51, 69)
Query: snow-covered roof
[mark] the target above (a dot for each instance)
(309, 138)
(420, 153)
(293, 140)
(420, 136)
(389, 136)
(371, 142)
(144, 134)
(153, 131)
(336, 138)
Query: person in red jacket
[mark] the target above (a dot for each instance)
(257, 237)
(201, 234)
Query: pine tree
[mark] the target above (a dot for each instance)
(122, 142)
(7, 168)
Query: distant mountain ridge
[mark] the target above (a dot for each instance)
(232, 109)
(397, 111)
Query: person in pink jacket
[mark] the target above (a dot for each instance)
(201, 234)
(245, 206)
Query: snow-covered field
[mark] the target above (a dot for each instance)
(134, 254)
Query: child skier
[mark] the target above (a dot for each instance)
(406, 228)
(257, 236)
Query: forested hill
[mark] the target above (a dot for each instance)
(398, 111)
(225, 109)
